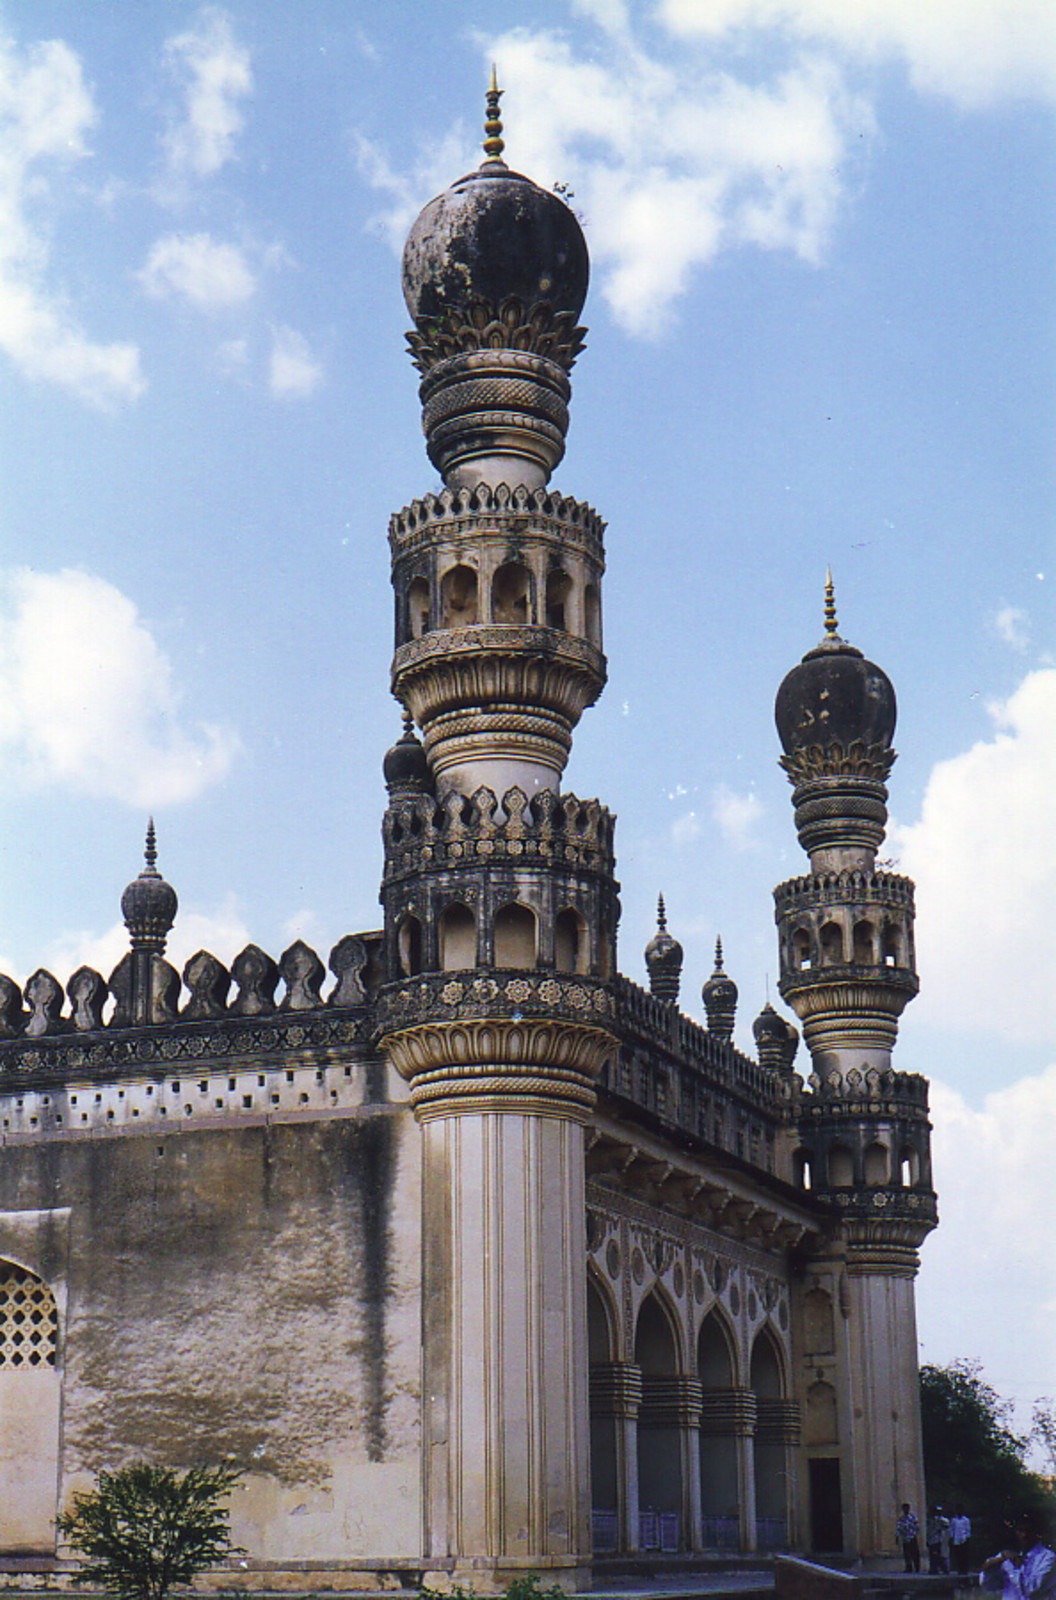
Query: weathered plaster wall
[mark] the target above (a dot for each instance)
(245, 1292)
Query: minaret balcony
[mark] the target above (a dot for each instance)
(482, 664)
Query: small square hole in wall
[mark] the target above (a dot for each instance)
(247, 1101)
(175, 1087)
(150, 1088)
(348, 1072)
(73, 1099)
(188, 1111)
(203, 1087)
(304, 1099)
(318, 1077)
(98, 1099)
(232, 1083)
(274, 1099)
(219, 1104)
(260, 1081)
(289, 1077)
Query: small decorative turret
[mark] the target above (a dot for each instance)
(663, 959)
(719, 994)
(405, 768)
(149, 904)
(776, 1040)
(143, 983)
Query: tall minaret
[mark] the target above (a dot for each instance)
(847, 969)
(499, 896)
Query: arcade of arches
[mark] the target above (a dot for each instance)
(693, 1426)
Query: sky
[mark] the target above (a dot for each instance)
(821, 333)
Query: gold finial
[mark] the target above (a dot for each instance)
(661, 914)
(831, 625)
(494, 144)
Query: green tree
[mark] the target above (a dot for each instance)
(147, 1528)
(972, 1456)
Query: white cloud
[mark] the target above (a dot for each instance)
(983, 855)
(685, 829)
(195, 268)
(736, 815)
(46, 113)
(408, 191)
(87, 700)
(214, 72)
(1012, 625)
(989, 1270)
(974, 52)
(671, 162)
(293, 372)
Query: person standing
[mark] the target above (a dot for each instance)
(960, 1534)
(907, 1530)
(1037, 1574)
(938, 1537)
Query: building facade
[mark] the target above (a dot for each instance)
(474, 1255)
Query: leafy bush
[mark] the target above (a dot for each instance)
(147, 1528)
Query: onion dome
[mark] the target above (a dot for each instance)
(492, 234)
(405, 768)
(663, 959)
(719, 994)
(149, 904)
(776, 1040)
(835, 696)
(495, 274)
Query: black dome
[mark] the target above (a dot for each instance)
(405, 766)
(492, 234)
(149, 904)
(835, 696)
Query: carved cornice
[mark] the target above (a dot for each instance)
(850, 997)
(531, 1066)
(111, 1052)
(445, 997)
(454, 514)
(508, 326)
(514, 663)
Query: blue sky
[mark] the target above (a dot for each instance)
(821, 332)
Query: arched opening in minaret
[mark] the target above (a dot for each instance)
(831, 940)
(864, 943)
(558, 595)
(510, 592)
(417, 608)
(909, 1167)
(771, 1451)
(841, 1167)
(409, 946)
(30, 1386)
(801, 949)
(571, 948)
(458, 938)
(876, 1165)
(592, 614)
(802, 1168)
(892, 946)
(604, 951)
(719, 1493)
(458, 598)
(659, 1439)
(515, 936)
(604, 1469)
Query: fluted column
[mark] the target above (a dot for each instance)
(505, 1395)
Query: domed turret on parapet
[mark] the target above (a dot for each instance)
(719, 994)
(405, 767)
(776, 1040)
(663, 959)
(149, 904)
(495, 273)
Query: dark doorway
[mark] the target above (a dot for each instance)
(826, 1510)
